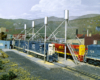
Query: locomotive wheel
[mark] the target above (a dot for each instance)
(90, 61)
(95, 63)
(98, 63)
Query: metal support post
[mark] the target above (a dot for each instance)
(25, 31)
(19, 46)
(32, 33)
(32, 29)
(25, 34)
(45, 22)
(28, 48)
(66, 24)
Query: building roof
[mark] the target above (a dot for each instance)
(81, 35)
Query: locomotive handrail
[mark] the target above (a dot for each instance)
(72, 52)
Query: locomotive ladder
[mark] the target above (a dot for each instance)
(72, 53)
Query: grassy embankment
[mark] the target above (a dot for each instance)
(11, 71)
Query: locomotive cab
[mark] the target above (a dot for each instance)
(52, 56)
(51, 49)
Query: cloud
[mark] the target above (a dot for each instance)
(42, 8)
(54, 7)
(26, 14)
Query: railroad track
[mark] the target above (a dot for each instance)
(80, 73)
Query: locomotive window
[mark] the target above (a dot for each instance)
(50, 46)
(33, 46)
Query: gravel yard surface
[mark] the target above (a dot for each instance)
(89, 68)
(39, 71)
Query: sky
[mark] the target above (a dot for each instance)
(35, 9)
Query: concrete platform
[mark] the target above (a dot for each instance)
(45, 64)
(67, 62)
(48, 65)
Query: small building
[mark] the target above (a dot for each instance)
(81, 36)
(90, 39)
(2, 29)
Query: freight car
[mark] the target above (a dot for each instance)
(37, 48)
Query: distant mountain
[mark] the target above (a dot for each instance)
(73, 17)
(88, 16)
(52, 18)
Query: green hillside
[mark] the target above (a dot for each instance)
(87, 23)
(15, 26)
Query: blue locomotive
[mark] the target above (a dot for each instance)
(37, 48)
(93, 55)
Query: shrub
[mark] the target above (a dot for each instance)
(11, 76)
(1, 66)
(5, 77)
(4, 55)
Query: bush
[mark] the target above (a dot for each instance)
(11, 76)
(1, 66)
(5, 77)
(4, 55)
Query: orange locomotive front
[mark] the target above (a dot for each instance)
(79, 50)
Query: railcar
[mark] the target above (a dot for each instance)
(79, 50)
(93, 55)
(37, 48)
